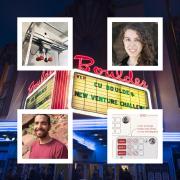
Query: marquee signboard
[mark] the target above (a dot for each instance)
(42, 97)
(85, 93)
(51, 92)
(94, 94)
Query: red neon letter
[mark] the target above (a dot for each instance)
(88, 62)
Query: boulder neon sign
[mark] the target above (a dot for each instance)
(35, 84)
(86, 63)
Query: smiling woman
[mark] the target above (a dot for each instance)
(134, 45)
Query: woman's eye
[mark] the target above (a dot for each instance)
(127, 39)
(137, 40)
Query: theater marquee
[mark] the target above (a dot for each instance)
(86, 93)
(50, 92)
(41, 98)
(95, 94)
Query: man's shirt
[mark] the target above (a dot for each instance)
(52, 150)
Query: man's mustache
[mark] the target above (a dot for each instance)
(39, 129)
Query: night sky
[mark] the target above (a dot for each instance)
(11, 9)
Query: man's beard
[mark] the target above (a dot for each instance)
(42, 134)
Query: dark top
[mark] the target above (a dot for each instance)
(125, 60)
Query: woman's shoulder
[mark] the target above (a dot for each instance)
(124, 61)
(155, 63)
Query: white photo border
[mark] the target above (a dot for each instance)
(158, 20)
(111, 160)
(20, 160)
(21, 20)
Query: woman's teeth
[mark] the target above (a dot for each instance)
(132, 50)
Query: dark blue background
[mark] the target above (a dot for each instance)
(11, 9)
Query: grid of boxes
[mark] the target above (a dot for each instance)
(47, 44)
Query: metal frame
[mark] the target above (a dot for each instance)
(35, 38)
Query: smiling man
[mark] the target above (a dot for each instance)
(46, 147)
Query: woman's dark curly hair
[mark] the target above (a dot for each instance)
(147, 56)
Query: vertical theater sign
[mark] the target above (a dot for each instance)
(88, 93)
(50, 92)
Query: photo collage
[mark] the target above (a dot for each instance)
(90, 90)
(46, 124)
